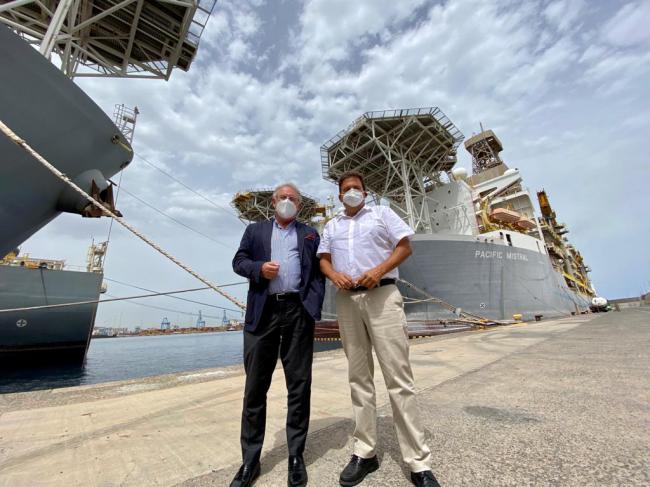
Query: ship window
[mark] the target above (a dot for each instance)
(509, 239)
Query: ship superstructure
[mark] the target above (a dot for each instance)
(565, 258)
(479, 244)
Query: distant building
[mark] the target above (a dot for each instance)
(626, 302)
(105, 331)
(234, 325)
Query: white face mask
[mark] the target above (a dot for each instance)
(286, 209)
(353, 198)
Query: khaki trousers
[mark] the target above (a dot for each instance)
(375, 319)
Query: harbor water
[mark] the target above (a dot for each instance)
(121, 358)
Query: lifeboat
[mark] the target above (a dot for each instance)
(504, 215)
(526, 223)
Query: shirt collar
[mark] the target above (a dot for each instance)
(289, 226)
(361, 211)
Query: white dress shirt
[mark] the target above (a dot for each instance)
(363, 241)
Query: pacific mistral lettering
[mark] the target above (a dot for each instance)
(499, 254)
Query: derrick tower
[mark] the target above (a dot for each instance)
(401, 154)
(484, 149)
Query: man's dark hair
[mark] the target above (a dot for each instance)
(351, 174)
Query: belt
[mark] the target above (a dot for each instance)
(285, 297)
(383, 282)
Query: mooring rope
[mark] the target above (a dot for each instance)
(468, 317)
(20, 142)
(99, 301)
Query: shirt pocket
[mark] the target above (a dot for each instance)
(370, 233)
(339, 243)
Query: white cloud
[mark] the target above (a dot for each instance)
(330, 28)
(564, 13)
(630, 26)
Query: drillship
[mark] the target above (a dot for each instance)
(43, 106)
(479, 244)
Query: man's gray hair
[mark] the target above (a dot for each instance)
(287, 185)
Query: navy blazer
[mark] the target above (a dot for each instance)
(255, 250)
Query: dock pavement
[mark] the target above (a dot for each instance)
(550, 403)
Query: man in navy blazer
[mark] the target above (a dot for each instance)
(285, 297)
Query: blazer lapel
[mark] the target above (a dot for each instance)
(267, 235)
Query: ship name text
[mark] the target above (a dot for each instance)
(499, 254)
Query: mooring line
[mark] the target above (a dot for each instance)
(468, 317)
(99, 301)
(20, 142)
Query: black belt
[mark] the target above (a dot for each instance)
(383, 282)
(285, 297)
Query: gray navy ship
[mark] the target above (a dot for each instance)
(43, 106)
(63, 124)
(480, 244)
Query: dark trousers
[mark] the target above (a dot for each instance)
(288, 330)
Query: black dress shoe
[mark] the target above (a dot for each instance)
(424, 479)
(246, 475)
(297, 472)
(357, 469)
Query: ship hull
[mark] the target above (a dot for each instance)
(487, 279)
(57, 119)
(46, 336)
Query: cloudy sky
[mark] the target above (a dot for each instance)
(565, 84)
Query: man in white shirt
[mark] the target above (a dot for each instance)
(359, 252)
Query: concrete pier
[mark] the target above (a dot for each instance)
(563, 402)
